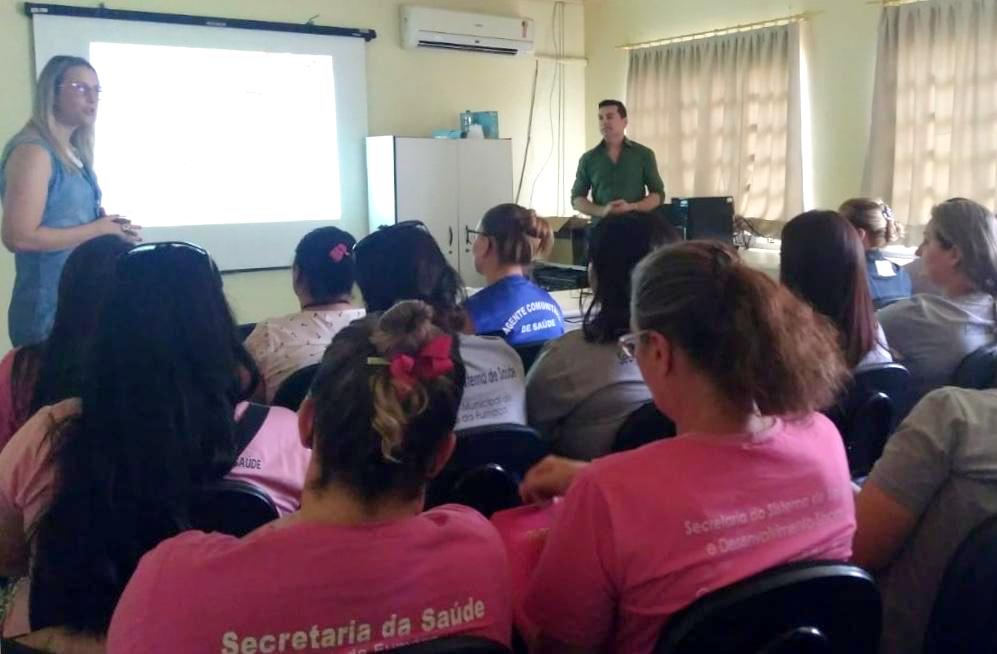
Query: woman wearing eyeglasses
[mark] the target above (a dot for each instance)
(888, 282)
(51, 200)
(580, 391)
(754, 478)
(88, 485)
(404, 262)
(508, 239)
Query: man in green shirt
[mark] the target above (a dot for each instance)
(621, 174)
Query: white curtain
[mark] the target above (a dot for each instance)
(934, 122)
(723, 115)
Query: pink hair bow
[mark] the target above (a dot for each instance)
(432, 361)
(337, 253)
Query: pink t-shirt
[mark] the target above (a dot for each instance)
(274, 460)
(316, 587)
(644, 533)
(12, 410)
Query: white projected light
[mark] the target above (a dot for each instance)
(202, 136)
(237, 138)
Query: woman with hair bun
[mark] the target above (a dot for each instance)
(361, 566)
(508, 239)
(322, 277)
(873, 219)
(754, 478)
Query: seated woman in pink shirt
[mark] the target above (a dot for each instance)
(361, 567)
(88, 485)
(755, 477)
(43, 373)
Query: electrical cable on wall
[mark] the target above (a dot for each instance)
(557, 82)
(529, 130)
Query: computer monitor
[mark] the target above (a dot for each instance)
(709, 218)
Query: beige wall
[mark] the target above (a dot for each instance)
(409, 93)
(841, 58)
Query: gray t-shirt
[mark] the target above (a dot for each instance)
(495, 390)
(919, 282)
(578, 394)
(933, 334)
(941, 464)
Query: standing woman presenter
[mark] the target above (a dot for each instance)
(50, 196)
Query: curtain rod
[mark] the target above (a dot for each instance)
(773, 22)
(892, 3)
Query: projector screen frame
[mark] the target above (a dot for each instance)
(32, 8)
(227, 246)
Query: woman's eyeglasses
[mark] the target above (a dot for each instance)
(83, 89)
(144, 250)
(628, 344)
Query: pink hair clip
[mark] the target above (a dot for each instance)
(337, 253)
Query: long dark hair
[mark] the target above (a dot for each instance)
(46, 372)
(823, 261)
(366, 434)
(163, 377)
(616, 244)
(403, 262)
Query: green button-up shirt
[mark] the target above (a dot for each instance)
(624, 180)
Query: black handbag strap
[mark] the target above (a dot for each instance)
(249, 424)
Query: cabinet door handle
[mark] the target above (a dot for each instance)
(450, 229)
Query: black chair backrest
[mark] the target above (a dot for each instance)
(13, 647)
(964, 617)
(528, 353)
(230, 506)
(868, 411)
(454, 645)
(978, 369)
(800, 607)
(645, 425)
(514, 448)
(488, 488)
(293, 390)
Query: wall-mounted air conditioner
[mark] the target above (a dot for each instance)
(424, 27)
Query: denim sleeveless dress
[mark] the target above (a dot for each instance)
(73, 200)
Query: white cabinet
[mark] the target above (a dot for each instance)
(446, 183)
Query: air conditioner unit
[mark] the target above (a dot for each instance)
(423, 27)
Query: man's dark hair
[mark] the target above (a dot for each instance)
(620, 109)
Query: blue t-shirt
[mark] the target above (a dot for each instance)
(516, 308)
(885, 287)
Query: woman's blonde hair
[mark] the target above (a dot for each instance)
(43, 112)
(874, 217)
(520, 235)
(372, 433)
